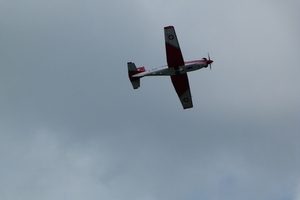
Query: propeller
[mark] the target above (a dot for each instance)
(209, 61)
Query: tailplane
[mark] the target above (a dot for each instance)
(132, 70)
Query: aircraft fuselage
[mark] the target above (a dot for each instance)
(166, 71)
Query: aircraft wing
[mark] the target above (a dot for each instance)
(175, 60)
(174, 56)
(181, 85)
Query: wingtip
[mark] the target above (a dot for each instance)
(168, 27)
(188, 106)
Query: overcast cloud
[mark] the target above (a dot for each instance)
(72, 127)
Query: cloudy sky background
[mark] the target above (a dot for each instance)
(72, 127)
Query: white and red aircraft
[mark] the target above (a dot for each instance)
(177, 69)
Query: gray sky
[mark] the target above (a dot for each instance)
(72, 127)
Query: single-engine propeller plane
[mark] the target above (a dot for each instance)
(177, 69)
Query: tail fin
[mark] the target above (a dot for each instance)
(132, 70)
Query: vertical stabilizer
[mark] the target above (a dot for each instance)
(132, 70)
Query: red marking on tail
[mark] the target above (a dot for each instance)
(141, 69)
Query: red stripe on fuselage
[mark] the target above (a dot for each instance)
(195, 61)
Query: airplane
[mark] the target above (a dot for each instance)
(176, 68)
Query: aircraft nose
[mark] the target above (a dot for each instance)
(209, 61)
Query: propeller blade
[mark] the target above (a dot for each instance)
(209, 59)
